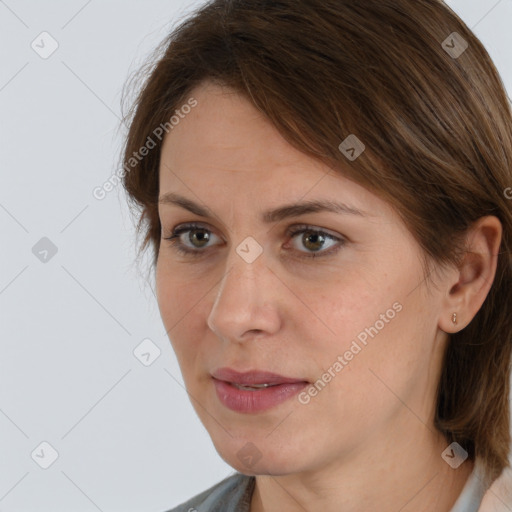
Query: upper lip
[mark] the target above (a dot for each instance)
(252, 377)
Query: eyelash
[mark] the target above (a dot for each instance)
(182, 249)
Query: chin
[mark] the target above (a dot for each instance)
(259, 459)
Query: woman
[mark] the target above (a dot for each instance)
(323, 184)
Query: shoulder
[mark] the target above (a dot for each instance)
(233, 494)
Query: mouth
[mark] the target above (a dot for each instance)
(254, 391)
(255, 379)
(251, 388)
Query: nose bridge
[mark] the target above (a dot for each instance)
(242, 300)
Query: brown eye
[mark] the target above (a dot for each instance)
(190, 239)
(313, 241)
(199, 236)
(317, 242)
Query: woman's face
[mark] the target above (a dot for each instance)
(346, 310)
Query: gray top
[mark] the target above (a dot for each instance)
(234, 493)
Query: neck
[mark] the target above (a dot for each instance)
(412, 478)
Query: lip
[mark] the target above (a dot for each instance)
(246, 401)
(252, 377)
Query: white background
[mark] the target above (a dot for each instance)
(126, 435)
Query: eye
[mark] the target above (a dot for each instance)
(315, 240)
(198, 237)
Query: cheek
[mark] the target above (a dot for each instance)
(176, 290)
(350, 303)
(374, 317)
(180, 304)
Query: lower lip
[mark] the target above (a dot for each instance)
(240, 400)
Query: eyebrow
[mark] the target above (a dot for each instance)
(270, 216)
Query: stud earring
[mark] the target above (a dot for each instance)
(454, 318)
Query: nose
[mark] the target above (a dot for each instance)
(246, 303)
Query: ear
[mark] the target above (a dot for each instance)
(474, 276)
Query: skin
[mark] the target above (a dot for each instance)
(366, 441)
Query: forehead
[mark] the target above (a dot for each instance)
(225, 148)
(224, 130)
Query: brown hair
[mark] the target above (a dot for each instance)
(437, 128)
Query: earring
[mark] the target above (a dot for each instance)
(454, 318)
